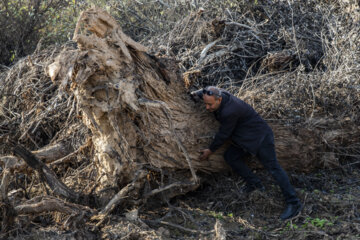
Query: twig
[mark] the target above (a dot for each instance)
(240, 25)
(294, 33)
(172, 185)
(180, 227)
(206, 49)
(63, 159)
(117, 199)
(42, 204)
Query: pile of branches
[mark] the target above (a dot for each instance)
(228, 42)
(36, 114)
(295, 63)
(33, 110)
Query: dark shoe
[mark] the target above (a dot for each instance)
(248, 188)
(291, 211)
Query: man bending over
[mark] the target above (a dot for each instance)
(249, 133)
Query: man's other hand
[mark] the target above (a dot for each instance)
(205, 154)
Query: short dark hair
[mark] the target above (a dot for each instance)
(212, 91)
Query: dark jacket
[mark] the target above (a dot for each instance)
(240, 122)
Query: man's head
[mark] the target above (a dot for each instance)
(212, 98)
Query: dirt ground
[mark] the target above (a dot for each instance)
(330, 198)
(219, 210)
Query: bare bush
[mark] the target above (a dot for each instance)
(21, 23)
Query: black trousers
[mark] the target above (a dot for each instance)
(267, 156)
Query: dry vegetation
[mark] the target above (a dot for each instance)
(297, 63)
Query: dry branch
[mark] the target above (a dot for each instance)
(46, 174)
(52, 155)
(185, 229)
(53, 152)
(6, 209)
(49, 204)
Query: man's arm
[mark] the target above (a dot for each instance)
(228, 124)
(227, 127)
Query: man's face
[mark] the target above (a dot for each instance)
(211, 103)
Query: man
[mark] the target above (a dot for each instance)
(249, 133)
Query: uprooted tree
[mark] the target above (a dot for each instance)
(146, 129)
(140, 114)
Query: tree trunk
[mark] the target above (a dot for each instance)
(138, 109)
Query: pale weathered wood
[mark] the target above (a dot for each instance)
(53, 152)
(50, 204)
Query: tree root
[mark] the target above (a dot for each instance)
(179, 227)
(46, 174)
(8, 213)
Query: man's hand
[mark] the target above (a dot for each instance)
(205, 154)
